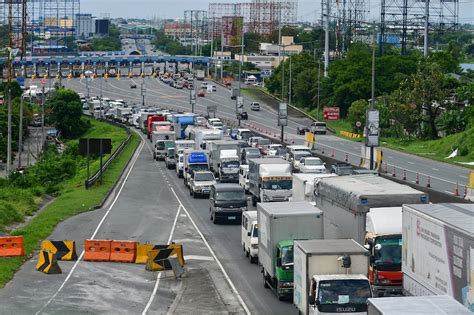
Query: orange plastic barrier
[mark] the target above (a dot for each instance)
(97, 250)
(11, 246)
(123, 251)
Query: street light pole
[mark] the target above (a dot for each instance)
(319, 81)
(289, 85)
(20, 133)
(372, 101)
(143, 92)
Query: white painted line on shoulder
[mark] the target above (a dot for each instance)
(135, 158)
(435, 169)
(410, 162)
(198, 257)
(229, 281)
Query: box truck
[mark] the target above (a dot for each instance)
(194, 160)
(270, 180)
(303, 186)
(438, 251)
(346, 200)
(224, 159)
(330, 277)
(280, 223)
(162, 140)
(416, 305)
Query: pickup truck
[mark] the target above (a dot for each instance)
(200, 183)
(342, 169)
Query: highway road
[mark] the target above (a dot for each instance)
(442, 176)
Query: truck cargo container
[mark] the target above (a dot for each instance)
(438, 251)
(161, 142)
(346, 200)
(224, 159)
(203, 135)
(416, 305)
(151, 119)
(181, 145)
(303, 186)
(330, 277)
(280, 223)
(180, 122)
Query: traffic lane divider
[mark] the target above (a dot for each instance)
(64, 250)
(11, 246)
(97, 250)
(48, 263)
(123, 251)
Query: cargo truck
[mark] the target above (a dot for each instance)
(181, 145)
(346, 200)
(280, 223)
(330, 277)
(303, 185)
(204, 135)
(150, 120)
(438, 251)
(224, 159)
(180, 122)
(200, 75)
(270, 180)
(416, 305)
(194, 160)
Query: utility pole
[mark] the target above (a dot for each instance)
(43, 99)
(222, 54)
(143, 92)
(289, 85)
(240, 74)
(20, 133)
(427, 25)
(372, 101)
(9, 82)
(319, 82)
(326, 41)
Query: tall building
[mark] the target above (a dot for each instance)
(102, 26)
(85, 27)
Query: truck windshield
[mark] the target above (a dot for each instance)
(340, 295)
(160, 145)
(230, 195)
(171, 152)
(286, 255)
(204, 177)
(277, 184)
(255, 231)
(314, 162)
(245, 135)
(388, 253)
(193, 167)
(231, 164)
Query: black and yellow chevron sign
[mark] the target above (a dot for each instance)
(48, 263)
(143, 249)
(64, 250)
(157, 259)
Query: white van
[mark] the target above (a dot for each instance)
(250, 235)
(244, 177)
(179, 165)
(243, 134)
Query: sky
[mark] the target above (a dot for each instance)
(307, 10)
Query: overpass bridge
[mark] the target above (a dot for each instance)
(75, 66)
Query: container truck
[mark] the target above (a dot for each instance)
(204, 135)
(416, 305)
(346, 200)
(280, 223)
(150, 120)
(330, 277)
(224, 159)
(194, 160)
(303, 185)
(438, 251)
(180, 122)
(270, 180)
(200, 75)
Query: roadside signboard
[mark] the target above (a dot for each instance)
(331, 113)
(283, 114)
(93, 146)
(372, 129)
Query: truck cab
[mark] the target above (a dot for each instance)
(283, 269)
(250, 235)
(244, 177)
(200, 183)
(179, 165)
(335, 294)
(161, 147)
(194, 160)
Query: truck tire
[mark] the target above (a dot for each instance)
(191, 193)
(253, 260)
(247, 254)
(254, 201)
(265, 284)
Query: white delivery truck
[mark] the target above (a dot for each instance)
(224, 159)
(416, 305)
(303, 185)
(330, 277)
(438, 251)
(162, 140)
(270, 180)
(181, 145)
(203, 135)
(250, 235)
(280, 223)
(346, 200)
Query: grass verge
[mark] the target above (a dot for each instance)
(74, 199)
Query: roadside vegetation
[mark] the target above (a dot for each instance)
(59, 173)
(110, 42)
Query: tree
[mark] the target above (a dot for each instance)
(64, 110)
(357, 113)
(15, 88)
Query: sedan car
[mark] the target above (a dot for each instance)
(201, 93)
(133, 86)
(243, 116)
(302, 130)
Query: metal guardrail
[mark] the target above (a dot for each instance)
(96, 176)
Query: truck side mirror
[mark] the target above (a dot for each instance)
(311, 300)
(278, 262)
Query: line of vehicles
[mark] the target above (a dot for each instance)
(329, 243)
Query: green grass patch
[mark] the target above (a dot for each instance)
(438, 149)
(73, 198)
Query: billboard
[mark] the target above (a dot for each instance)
(331, 113)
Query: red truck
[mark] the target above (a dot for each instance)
(152, 118)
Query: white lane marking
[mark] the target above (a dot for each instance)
(449, 192)
(435, 169)
(410, 162)
(229, 281)
(95, 232)
(157, 283)
(462, 176)
(198, 257)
